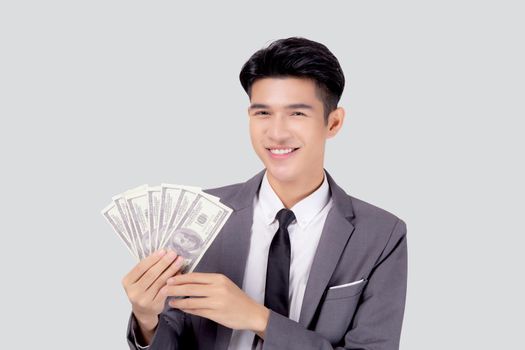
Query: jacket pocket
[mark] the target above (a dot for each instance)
(337, 310)
(345, 290)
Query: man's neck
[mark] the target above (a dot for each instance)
(291, 193)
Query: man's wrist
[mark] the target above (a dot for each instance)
(147, 323)
(147, 326)
(260, 321)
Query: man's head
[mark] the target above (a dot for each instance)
(294, 86)
(298, 57)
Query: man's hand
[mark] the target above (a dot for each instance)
(142, 285)
(220, 300)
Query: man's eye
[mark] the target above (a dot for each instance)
(261, 112)
(299, 113)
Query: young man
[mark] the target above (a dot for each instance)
(299, 264)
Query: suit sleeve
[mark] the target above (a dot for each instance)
(378, 318)
(173, 332)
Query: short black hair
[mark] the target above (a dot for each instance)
(302, 58)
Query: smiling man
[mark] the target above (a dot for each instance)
(300, 264)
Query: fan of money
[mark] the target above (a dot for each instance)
(181, 218)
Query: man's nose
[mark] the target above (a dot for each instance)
(278, 128)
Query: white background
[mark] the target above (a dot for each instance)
(97, 97)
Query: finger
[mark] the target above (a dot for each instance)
(172, 269)
(188, 290)
(206, 313)
(191, 303)
(136, 273)
(195, 277)
(156, 270)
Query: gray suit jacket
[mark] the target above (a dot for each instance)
(359, 241)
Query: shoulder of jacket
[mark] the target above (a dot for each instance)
(224, 192)
(372, 216)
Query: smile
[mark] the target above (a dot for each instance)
(281, 152)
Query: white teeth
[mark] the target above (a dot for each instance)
(281, 151)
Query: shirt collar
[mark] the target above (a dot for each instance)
(304, 210)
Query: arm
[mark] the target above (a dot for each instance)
(172, 332)
(378, 319)
(141, 334)
(135, 337)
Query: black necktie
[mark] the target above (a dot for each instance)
(278, 270)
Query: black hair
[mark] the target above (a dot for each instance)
(302, 58)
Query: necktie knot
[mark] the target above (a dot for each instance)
(285, 217)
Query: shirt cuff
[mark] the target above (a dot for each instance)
(140, 347)
(134, 337)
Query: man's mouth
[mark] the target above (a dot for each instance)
(282, 151)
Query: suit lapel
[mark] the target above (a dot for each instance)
(336, 233)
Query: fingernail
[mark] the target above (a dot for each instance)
(179, 261)
(160, 252)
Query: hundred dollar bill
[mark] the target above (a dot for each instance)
(114, 218)
(185, 199)
(121, 204)
(185, 196)
(138, 205)
(169, 197)
(197, 229)
(153, 213)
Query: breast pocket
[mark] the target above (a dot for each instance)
(345, 290)
(337, 310)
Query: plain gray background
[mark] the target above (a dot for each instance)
(97, 97)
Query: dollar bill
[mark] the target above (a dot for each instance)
(114, 218)
(182, 218)
(197, 229)
(154, 194)
(138, 205)
(124, 211)
(183, 204)
(169, 198)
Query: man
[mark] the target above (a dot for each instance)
(299, 264)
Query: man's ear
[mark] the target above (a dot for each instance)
(335, 121)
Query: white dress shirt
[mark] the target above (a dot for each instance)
(304, 232)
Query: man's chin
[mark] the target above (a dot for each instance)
(281, 175)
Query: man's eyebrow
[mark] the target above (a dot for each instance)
(258, 105)
(292, 106)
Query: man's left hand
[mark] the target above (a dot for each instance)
(218, 299)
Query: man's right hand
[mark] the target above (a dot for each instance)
(142, 285)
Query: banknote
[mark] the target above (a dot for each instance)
(138, 205)
(197, 229)
(183, 203)
(114, 218)
(175, 200)
(178, 217)
(125, 213)
(153, 213)
(169, 198)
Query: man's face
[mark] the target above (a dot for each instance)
(286, 113)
